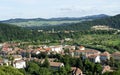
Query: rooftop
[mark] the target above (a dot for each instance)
(55, 64)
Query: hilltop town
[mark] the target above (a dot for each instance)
(77, 59)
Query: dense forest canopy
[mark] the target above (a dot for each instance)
(12, 32)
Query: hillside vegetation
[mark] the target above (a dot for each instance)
(52, 21)
(42, 23)
(11, 32)
(82, 34)
(112, 22)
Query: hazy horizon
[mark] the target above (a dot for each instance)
(11, 9)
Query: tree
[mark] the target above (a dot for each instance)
(46, 63)
(89, 66)
(112, 73)
(97, 69)
(111, 63)
(33, 68)
(79, 63)
(67, 67)
(8, 70)
(63, 71)
(11, 58)
(44, 71)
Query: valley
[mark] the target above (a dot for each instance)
(93, 43)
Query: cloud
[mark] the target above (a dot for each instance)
(66, 9)
(57, 8)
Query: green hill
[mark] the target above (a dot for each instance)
(11, 32)
(51, 21)
(110, 22)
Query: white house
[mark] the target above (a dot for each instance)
(94, 58)
(81, 48)
(19, 64)
(56, 49)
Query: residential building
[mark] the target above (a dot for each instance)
(86, 52)
(19, 64)
(56, 65)
(116, 56)
(104, 56)
(76, 71)
(17, 57)
(94, 58)
(81, 48)
(69, 47)
(106, 69)
(56, 49)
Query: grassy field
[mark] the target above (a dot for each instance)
(110, 43)
(42, 23)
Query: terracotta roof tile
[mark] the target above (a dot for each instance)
(55, 64)
(105, 54)
(76, 70)
(90, 51)
(116, 54)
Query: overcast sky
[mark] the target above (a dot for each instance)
(56, 8)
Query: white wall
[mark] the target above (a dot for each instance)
(20, 65)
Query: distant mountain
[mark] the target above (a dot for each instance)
(52, 21)
(22, 20)
(10, 32)
(80, 18)
(112, 22)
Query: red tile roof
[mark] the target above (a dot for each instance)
(106, 69)
(86, 51)
(116, 54)
(76, 70)
(92, 56)
(105, 54)
(55, 64)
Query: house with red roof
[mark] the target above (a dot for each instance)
(106, 68)
(94, 58)
(76, 71)
(56, 65)
(116, 56)
(86, 52)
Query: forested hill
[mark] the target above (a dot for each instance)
(17, 20)
(52, 21)
(112, 22)
(11, 32)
